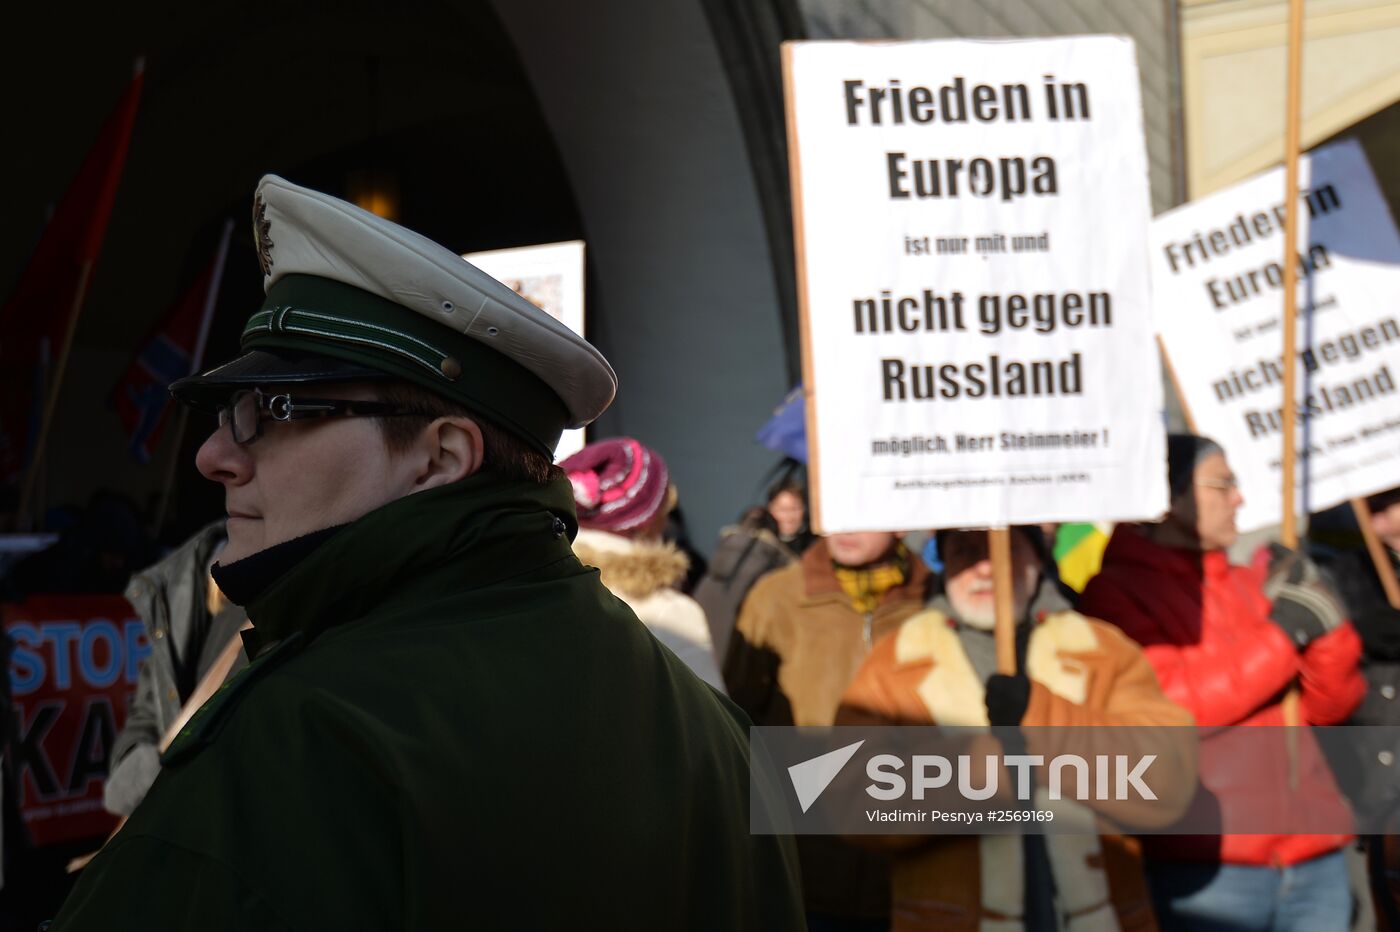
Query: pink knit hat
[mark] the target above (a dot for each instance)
(619, 485)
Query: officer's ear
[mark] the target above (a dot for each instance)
(450, 449)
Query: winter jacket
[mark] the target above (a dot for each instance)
(1204, 626)
(1379, 627)
(643, 574)
(173, 600)
(798, 643)
(799, 640)
(449, 723)
(741, 558)
(1083, 673)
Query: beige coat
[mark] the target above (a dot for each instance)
(1082, 672)
(642, 574)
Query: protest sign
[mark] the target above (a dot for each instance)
(971, 219)
(1218, 293)
(551, 278)
(72, 673)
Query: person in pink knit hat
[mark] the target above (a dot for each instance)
(623, 493)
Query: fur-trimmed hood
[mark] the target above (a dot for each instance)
(631, 567)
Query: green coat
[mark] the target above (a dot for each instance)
(449, 724)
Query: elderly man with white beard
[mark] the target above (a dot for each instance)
(939, 668)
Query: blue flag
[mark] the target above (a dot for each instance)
(786, 430)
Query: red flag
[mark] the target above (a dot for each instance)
(34, 321)
(173, 350)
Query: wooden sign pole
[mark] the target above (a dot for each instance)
(1176, 384)
(1384, 568)
(999, 549)
(1289, 533)
(201, 342)
(41, 442)
(799, 235)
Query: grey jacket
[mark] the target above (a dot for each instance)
(172, 598)
(743, 555)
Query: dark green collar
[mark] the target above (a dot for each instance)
(483, 529)
(243, 581)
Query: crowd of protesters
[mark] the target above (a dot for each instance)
(806, 630)
(844, 629)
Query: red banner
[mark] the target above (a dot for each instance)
(36, 316)
(73, 672)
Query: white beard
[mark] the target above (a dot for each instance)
(981, 619)
(985, 618)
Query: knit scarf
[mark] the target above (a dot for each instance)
(867, 585)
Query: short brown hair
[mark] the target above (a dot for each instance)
(504, 453)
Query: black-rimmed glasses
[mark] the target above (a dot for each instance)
(248, 408)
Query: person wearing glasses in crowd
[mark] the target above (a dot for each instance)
(1228, 642)
(447, 721)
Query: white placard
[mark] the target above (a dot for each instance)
(977, 337)
(551, 278)
(1217, 270)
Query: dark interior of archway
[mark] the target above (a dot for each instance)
(428, 94)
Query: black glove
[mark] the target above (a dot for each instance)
(1007, 698)
(1305, 606)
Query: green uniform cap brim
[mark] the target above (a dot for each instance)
(210, 391)
(309, 316)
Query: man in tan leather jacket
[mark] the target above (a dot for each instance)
(938, 668)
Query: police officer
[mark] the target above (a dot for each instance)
(447, 721)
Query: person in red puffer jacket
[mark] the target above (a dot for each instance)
(1227, 642)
